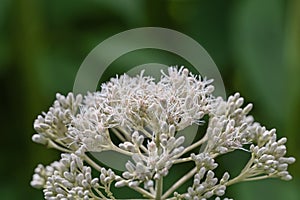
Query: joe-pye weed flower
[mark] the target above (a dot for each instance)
(146, 116)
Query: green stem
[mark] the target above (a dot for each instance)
(146, 133)
(117, 149)
(92, 163)
(179, 183)
(159, 188)
(248, 165)
(99, 193)
(143, 192)
(124, 132)
(181, 160)
(118, 134)
(258, 178)
(52, 144)
(246, 172)
(195, 145)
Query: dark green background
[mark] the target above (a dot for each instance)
(255, 44)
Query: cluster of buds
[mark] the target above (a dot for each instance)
(268, 155)
(69, 179)
(205, 183)
(141, 119)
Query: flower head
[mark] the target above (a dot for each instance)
(140, 118)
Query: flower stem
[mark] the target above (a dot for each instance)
(181, 160)
(52, 144)
(124, 132)
(179, 183)
(159, 188)
(143, 192)
(145, 132)
(92, 163)
(244, 173)
(248, 165)
(195, 145)
(117, 149)
(99, 193)
(258, 178)
(118, 134)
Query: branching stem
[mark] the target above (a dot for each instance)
(195, 145)
(92, 163)
(181, 160)
(143, 192)
(179, 183)
(52, 144)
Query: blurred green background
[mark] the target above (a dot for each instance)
(255, 44)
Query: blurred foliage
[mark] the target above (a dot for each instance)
(256, 45)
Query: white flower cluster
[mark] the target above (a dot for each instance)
(140, 118)
(154, 164)
(268, 155)
(70, 179)
(205, 183)
(52, 127)
(229, 125)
